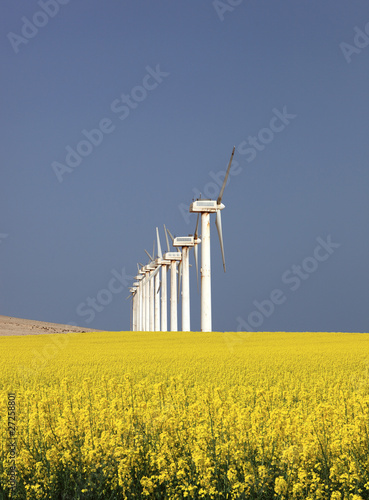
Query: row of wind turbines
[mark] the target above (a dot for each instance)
(149, 293)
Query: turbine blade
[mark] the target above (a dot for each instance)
(158, 290)
(159, 246)
(155, 272)
(170, 234)
(218, 223)
(225, 178)
(147, 253)
(166, 237)
(179, 277)
(151, 275)
(197, 226)
(196, 254)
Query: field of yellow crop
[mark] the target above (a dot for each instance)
(186, 415)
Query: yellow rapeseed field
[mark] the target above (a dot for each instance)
(134, 415)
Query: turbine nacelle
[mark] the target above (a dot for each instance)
(207, 206)
(173, 256)
(162, 262)
(186, 241)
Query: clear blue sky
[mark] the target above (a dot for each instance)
(172, 86)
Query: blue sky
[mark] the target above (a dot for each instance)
(116, 114)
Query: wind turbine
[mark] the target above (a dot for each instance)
(164, 263)
(143, 298)
(144, 271)
(149, 294)
(139, 289)
(139, 277)
(172, 258)
(132, 293)
(135, 305)
(157, 301)
(154, 323)
(206, 207)
(146, 284)
(185, 242)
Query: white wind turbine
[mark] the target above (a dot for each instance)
(157, 301)
(172, 258)
(206, 207)
(148, 298)
(186, 242)
(135, 305)
(133, 293)
(164, 264)
(141, 271)
(137, 292)
(152, 309)
(146, 284)
(137, 301)
(150, 292)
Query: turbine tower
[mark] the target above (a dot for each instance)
(185, 242)
(142, 311)
(157, 302)
(133, 293)
(143, 300)
(206, 207)
(138, 278)
(173, 258)
(146, 284)
(147, 317)
(153, 268)
(164, 263)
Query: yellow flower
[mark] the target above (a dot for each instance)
(297, 489)
(182, 405)
(280, 486)
(148, 485)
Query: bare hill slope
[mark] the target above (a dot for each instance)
(17, 326)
